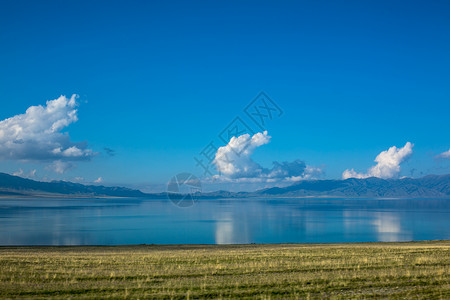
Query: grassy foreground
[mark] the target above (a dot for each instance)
(399, 270)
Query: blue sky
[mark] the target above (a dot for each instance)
(158, 81)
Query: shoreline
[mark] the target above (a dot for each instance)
(250, 245)
(202, 198)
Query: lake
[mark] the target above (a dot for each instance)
(221, 221)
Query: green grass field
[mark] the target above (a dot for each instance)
(371, 270)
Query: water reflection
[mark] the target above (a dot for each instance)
(129, 221)
(231, 227)
(388, 227)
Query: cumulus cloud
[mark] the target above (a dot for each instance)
(234, 159)
(21, 173)
(445, 154)
(388, 163)
(98, 180)
(18, 173)
(234, 163)
(308, 173)
(60, 167)
(36, 135)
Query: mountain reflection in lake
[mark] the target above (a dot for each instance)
(221, 221)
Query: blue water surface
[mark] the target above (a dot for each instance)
(221, 221)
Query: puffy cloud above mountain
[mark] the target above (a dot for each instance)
(388, 163)
(234, 162)
(59, 166)
(21, 173)
(36, 135)
(445, 154)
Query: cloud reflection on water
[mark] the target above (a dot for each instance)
(220, 221)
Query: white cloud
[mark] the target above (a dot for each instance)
(234, 160)
(18, 173)
(445, 154)
(388, 163)
(308, 173)
(59, 166)
(21, 173)
(36, 135)
(234, 163)
(98, 180)
(32, 173)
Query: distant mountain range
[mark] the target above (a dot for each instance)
(17, 186)
(433, 186)
(428, 186)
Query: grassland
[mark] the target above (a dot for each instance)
(373, 270)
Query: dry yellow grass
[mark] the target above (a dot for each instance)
(398, 270)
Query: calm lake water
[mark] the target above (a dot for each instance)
(131, 221)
